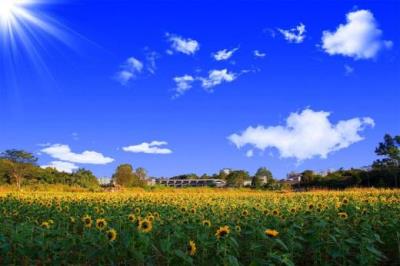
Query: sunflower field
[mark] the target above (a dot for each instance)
(200, 227)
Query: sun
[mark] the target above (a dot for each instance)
(8, 9)
(25, 30)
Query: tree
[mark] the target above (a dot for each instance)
(307, 177)
(19, 156)
(85, 178)
(124, 175)
(390, 149)
(236, 178)
(141, 173)
(17, 164)
(258, 178)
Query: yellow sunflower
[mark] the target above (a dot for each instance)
(238, 228)
(192, 248)
(101, 224)
(131, 217)
(45, 225)
(207, 223)
(222, 231)
(150, 217)
(271, 232)
(145, 226)
(87, 220)
(343, 215)
(111, 234)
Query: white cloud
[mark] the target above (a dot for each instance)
(134, 65)
(216, 77)
(249, 153)
(348, 70)
(129, 70)
(124, 77)
(183, 83)
(257, 53)
(61, 166)
(306, 135)
(64, 153)
(151, 58)
(224, 54)
(359, 38)
(294, 35)
(179, 44)
(153, 147)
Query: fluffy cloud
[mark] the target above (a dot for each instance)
(153, 147)
(224, 54)
(294, 35)
(348, 70)
(306, 135)
(259, 54)
(129, 70)
(151, 58)
(216, 77)
(183, 83)
(61, 166)
(359, 38)
(249, 153)
(179, 44)
(64, 153)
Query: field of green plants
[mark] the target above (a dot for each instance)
(200, 227)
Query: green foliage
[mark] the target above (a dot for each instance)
(258, 178)
(126, 176)
(186, 176)
(390, 150)
(18, 156)
(19, 167)
(358, 227)
(236, 178)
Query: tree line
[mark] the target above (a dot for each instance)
(384, 172)
(20, 168)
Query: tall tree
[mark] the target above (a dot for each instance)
(236, 178)
(19, 156)
(390, 150)
(18, 164)
(85, 178)
(258, 178)
(141, 173)
(124, 175)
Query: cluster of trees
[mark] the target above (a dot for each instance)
(384, 172)
(20, 168)
(237, 178)
(126, 176)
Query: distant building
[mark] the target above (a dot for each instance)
(247, 183)
(293, 177)
(104, 181)
(150, 181)
(263, 179)
(191, 182)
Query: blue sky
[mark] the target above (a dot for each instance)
(98, 83)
